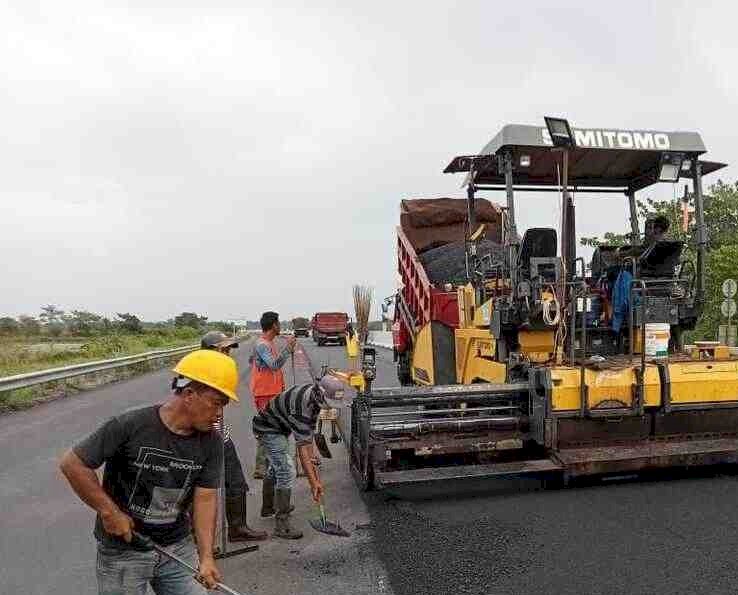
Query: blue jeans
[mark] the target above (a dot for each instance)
(124, 571)
(281, 468)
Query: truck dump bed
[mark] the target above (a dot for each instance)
(430, 253)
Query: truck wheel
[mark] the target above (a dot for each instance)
(321, 342)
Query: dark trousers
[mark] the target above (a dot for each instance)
(235, 480)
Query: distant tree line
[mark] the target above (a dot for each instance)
(54, 322)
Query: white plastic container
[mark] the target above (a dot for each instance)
(657, 339)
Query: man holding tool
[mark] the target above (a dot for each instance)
(267, 379)
(158, 460)
(295, 411)
(236, 488)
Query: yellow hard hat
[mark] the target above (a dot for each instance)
(211, 368)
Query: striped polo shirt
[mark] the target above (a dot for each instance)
(294, 411)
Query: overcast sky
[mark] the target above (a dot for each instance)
(233, 157)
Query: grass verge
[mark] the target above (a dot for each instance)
(29, 355)
(24, 398)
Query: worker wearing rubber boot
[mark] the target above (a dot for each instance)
(236, 487)
(295, 411)
(159, 460)
(267, 379)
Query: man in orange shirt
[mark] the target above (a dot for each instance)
(267, 379)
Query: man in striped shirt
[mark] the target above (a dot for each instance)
(294, 411)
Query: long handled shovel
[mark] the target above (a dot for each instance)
(145, 542)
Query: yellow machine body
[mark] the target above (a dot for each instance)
(709, 377)
(700, 382)
(537, 346)
(433, 359)
(422, 364)
(475, 345)
(604, 388)
(475, 357)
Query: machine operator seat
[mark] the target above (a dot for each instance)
(538, 243)
(604, 259)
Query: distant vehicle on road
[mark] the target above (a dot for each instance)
(329, 326)
(301, 326)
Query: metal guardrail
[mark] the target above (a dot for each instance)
(42, 376)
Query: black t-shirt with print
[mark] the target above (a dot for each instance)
(151, 472)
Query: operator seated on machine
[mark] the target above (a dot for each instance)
(655, 230)
(654, 258)
(661, 255)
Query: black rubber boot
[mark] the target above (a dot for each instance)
(238, 528)
(267, 498)
(282, 499)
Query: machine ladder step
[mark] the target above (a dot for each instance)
(648, 455)
(482, 471)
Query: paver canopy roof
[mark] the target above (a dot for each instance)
(602, 157)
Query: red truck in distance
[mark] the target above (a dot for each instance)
(329, 326)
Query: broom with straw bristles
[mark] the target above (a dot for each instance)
(362, 308)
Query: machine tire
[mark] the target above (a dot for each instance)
(361, 469)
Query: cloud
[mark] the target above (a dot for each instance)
(235, 157)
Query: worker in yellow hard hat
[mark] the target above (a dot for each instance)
(159, 460)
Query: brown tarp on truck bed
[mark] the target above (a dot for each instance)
(432, 222)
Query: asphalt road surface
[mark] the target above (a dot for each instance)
(657, 536)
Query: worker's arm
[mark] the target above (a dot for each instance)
(86, 485)
(204, 511)
(307, 455)
(267, 357)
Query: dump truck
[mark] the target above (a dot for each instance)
(329, 327)
(519, 360)
(301, 326)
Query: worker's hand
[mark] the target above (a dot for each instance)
(317, 490)
(291, 342)
(118, 524)
(209, 573)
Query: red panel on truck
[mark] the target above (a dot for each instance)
(427, 224)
